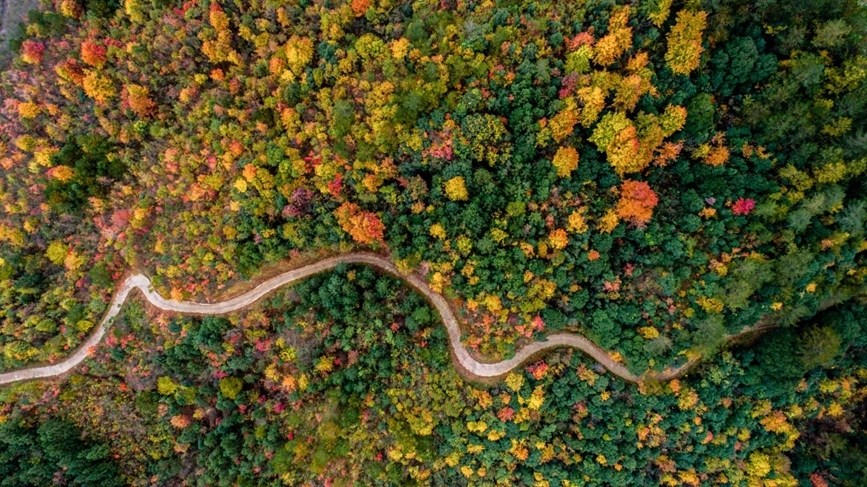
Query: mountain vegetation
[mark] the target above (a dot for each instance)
(656, 175)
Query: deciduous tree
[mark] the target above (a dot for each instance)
(684, 42)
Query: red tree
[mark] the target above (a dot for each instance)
(743, 206)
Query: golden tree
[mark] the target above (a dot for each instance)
(593, 98)
(577, 224)
(565, 161)
(619, 39)
(558, 239)
(98, 87)
(456, 189)
(563, 123)
(299, 52)
(684, 42)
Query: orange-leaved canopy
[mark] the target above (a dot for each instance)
(636, 203)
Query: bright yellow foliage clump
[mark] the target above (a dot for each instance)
(648, 332)
(536, 399)
(438, 231)
(659, 12)
(62, 173)
(98, 87)
(608, 222)
(456, 189)
(710, 305)
(623, 152)
(672, 119)
(684, 42)
(514, 381)
(563, 123)
(759, 465)
(619, 39)
(593, 98)
(28, 109)
(299, 52)
(631, 145)
(56, 252)
(831, 172)
(241, 185)
(400, 47)
(134, 10)
(70, 9)
(558, 239)
(565, 161)
(577, 224)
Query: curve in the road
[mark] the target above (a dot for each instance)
(469, 364)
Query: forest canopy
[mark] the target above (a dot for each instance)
(659, 176)
(632, 172)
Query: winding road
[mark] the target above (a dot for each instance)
(470, 365)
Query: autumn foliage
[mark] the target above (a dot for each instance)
(93, 54)
(138, 99)
(198, 141)
(456, 189)
(359, 7)
(32, 52)
(684, 42)
(717, 156)
(98, 86)
(565, 161)
(558, 239)
(636, 203)
(743, 206)
(618, 40)
(363, 226)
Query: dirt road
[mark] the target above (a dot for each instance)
(469, 364)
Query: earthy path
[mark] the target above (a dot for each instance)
(469, 364)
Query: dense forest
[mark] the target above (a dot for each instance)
(346, 380)
(675, 180)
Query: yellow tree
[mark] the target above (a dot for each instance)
(658, 11)
(628, 92)
(135, 10)
(28, 109)
(558, 239)
(593, 98)
(456, 189)
(219, 49)
(577, 223)
(98, 87)
(684, 42)
(563, 123)
(565, 161)
(299, 52)
(623, 151)
(618, 40)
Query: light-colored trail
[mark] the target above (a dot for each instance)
(469, 364)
